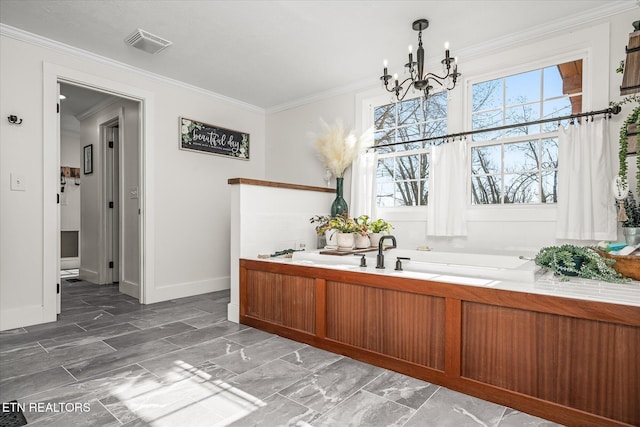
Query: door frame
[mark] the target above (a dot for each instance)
(52, 74)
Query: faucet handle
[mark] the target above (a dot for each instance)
(399, 262)
(363, 260)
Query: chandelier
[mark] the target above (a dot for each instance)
(418, 79)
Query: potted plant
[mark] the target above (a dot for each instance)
(377, 229)
(346, 227)
(325, 226)
(362, 240)
(585, 262)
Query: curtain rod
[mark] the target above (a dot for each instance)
(607, 111)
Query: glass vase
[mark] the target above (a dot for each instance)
(339, 206)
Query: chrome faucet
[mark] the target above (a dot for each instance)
(380, 257)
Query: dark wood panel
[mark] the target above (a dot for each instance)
(595, 310)
(249, 181)
(399, 324)
(282, 299)
(584, 364)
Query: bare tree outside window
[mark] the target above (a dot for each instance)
(403, 170)
(523, 168)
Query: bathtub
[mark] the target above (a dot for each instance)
(429, 264)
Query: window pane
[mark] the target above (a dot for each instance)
(435, 107)
(433, 129)
(384, 137)
(384, 194)
(485, 189)
(385, 116)
(409, 133)
(522, 188)
(410, 112)
(523, 87)
(488, 119)
(385, 170)
(407, 193)
(487, 95)
(556, 108)
(424, 192)
(552, 82)
(549, 187)
(549, 153)
(522, 114)
(407, 167)
(486, 160)
(521, 156)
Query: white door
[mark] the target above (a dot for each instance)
(113, 203)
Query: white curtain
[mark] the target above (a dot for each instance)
(586, 208)
(363, 185)
(448, 180)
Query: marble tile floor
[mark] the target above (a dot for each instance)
(109, 361)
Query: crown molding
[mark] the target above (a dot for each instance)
(34, 39)
(95, 108)
(559, 25)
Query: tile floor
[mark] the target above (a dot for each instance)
(109, 361)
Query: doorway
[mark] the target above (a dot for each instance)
(144, 159)
(102, 129)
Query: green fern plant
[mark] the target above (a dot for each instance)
(585, 262)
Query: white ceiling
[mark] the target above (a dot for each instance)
(273, 53)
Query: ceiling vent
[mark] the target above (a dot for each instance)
(143, 40)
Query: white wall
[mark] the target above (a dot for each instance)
(70, 198)
(519, 229)
(291, 156)
(188, 191)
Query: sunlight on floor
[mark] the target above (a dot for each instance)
(186, 396)
(71, 272)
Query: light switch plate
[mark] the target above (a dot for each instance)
(18, 182)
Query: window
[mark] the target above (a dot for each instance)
(403, 170)
(523, 168)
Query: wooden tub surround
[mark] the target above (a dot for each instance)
(573, 361)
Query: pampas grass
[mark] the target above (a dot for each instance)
(338, 147)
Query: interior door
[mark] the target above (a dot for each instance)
(113, 209)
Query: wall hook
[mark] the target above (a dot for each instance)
(14, 120)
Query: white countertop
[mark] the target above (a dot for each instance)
(545, 283)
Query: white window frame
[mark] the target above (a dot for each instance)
(521, 211)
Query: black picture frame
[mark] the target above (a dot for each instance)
(88, 159)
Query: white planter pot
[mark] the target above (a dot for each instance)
(362, 242)
(346, 241)
(375, 238)
(331, 236)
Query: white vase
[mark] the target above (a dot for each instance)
(331, 236)
(362, 242)
(345, 241)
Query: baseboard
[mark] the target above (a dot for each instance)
(88, 275)
(187, 289)
(24, 316)
(130, 288)
(233, 313)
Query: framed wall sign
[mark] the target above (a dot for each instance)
(198, 136)
(88, 159)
